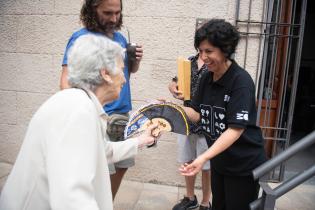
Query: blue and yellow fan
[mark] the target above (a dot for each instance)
(169, 117)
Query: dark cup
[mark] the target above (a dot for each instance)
(131, 51)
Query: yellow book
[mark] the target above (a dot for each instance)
(184, 76)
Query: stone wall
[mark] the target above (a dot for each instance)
(33, 35)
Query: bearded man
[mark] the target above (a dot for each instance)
(104, 18)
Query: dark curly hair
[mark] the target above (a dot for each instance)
(220, 34)
(88, 15)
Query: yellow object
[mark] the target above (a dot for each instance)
(184, 74)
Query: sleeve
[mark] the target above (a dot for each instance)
(121, 150)
(72, 158)
(69, 45)
(239, 106)
(125, 41)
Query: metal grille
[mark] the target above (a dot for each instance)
(279, 37)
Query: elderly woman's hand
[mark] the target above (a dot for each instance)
(149, 137)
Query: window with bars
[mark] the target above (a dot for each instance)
(277, 33)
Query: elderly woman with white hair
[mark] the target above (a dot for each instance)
(63, 162)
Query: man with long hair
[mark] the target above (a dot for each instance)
(104, 18)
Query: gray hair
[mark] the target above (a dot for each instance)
(88, 55)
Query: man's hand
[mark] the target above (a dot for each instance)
(139, 54)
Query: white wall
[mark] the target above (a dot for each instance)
(33, 34)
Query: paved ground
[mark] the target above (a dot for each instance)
(145, 196)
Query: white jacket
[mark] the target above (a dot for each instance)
(62, 164)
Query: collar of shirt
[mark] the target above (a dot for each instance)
(100, 111)
(194, 63)
(226, 78)
(98, 106)
(193, 58)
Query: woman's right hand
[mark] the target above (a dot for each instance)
(193, 168)
(149, 137)
(173, 88)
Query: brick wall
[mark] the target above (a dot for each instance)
(33, 34)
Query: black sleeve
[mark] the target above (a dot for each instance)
(240, 104)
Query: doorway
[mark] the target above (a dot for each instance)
(278, 83)
(304, 112)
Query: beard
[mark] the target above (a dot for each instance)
(106, 27)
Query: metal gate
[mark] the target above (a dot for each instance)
(279, 37)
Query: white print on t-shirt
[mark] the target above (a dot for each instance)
(226, 98)
(213, 120)
(242, 116)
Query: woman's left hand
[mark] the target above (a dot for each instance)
(192, 168)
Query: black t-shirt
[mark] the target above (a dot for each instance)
(230, 102)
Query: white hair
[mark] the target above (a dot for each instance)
(88, 55)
